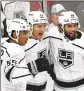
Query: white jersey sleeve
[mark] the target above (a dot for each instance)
(52, 33)
(14, 53)
(11, 56)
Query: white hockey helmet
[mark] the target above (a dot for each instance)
(57, 8)
(37, 17)
(68, 17)
(17, 25)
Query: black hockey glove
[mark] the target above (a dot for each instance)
(38, 65)
(50, 70)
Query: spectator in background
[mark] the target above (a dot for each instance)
(55, 12)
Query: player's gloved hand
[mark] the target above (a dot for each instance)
(50, 70)
(38, 65)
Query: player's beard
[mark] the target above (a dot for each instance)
(69, 36)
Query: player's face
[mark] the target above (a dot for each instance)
(70, 30)
(38, 31)
(23, 37)
(54, 19)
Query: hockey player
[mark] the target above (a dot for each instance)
(36, 54)
(67, 53)
(12, 54)
(55, 12)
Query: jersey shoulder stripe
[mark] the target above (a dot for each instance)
(21, 60)
(53, 37)
(78, 46)
(31, 47)
(56, 38)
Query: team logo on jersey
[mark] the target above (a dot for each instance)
(42, 53)
(65, 58)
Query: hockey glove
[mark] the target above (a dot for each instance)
(50, 70)
(38, 65)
